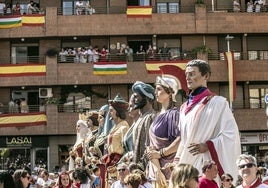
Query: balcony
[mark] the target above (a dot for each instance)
(64, 122)
(116, 23)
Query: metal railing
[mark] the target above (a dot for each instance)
(23, 60)
(123, 9)
(250, 55)
(6, 109)
(24, 12)
(123, 58)
(75, 108)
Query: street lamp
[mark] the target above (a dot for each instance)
(228, 38)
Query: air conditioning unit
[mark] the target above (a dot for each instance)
(45, 92)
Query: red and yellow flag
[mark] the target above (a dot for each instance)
(23, 119)
(229, 56)
(139, 11)
(33, 20)
(153, 66)
(15, 70)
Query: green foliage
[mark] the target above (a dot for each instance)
(86, 90)
(52, 100)
(199, 2)
(203, 49)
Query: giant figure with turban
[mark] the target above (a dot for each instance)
(144, 96)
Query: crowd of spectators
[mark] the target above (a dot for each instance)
(17, 9)
(123, 53)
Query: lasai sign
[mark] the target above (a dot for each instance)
(23, 141)
(19, 141)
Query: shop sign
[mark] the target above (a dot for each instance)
(19, 141)
(254, 138)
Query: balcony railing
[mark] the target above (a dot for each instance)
(23, 60)
(6, 109)
(124, 58)
(123, 9)
(250, 55)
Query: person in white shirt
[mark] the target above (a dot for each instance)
(2, 8)
(79, 5)
(247, 168)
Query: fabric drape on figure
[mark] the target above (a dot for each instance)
(229, 56)
(141, 137)
(163, 131)
(212, 123)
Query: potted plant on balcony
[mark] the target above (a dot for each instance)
(199, 2)
(201, 52)
(52, 100)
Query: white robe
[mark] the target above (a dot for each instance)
(213, 122)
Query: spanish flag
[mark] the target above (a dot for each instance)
(139, 11)
(153, 66)
(229, 56)
(33, 20)
(14, 70)
(104, 68)
(23, 119)
(7, 22)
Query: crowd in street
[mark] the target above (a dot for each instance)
(166, 147)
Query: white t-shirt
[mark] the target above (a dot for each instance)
(2, 7)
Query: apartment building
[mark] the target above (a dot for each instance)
(66, 86)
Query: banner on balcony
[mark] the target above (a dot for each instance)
(7, 22)
(14, 70)
(153, 66)
(105, 68)
(33, 20)
(139, 11)
(23, 119)
(229, 56)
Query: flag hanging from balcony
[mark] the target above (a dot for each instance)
(139, 11)
(104, 68)
(153, 66)
(229, 56)
(7, 22)
(23, 119)
(33, 20)
(14, 70)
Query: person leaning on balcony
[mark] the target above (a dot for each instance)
(79, 5)
(236, 5)
(258, 4)
(165, 52)
(89, 9)
(30, 7)
(250, 6)
(129, 53)
(16, 9)
(24, 108)
(2, 8)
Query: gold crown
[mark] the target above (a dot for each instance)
(84, 115)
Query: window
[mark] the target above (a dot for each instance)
(256, 97)
(68, 7)
(25, 53)
(167, 7)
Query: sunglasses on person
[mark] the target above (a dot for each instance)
(248, 165)
(121, 170)
(228, 180)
